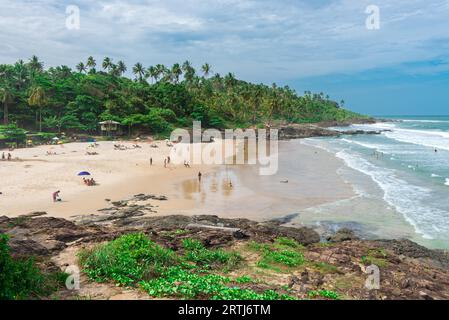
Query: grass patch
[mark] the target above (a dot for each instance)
(181, 283)
(376, 257)
(245, 279)
(197, 253)
(193, 273)
(325, 267)
(284, 252)
(332, 295)
(22, 279)
(126, 260)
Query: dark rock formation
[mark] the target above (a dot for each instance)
(344, 234)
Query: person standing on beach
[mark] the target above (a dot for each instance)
(199, 176)
(56, 196)
(3, 156)
(165, 163)
(9, 157)
(168, 160)
(151, 161)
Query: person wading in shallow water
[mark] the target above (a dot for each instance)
(199, 176)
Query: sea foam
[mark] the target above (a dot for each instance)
(408, 199)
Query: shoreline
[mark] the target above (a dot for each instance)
(317, 194)
(29, 182)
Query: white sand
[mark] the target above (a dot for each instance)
(27, 184)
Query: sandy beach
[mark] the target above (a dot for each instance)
(28, 183)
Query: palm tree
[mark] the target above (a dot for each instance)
(229, 80)
(139, 70)
(81, 67)
(176, 72)
(107, 63)
(21, 73)
(162, 72)
(152, 72)
(114, 71)
(121, 67)
(7, 98)
(91, 63)
(35, 64)
(189, 71)
(206, 69)
(38, 99)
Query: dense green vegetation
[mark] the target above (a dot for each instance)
(22, 279)
(61, 99)
(192, 272)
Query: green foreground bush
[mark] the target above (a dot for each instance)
(194, 272)
(21, 279)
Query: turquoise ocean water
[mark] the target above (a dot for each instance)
(409, 166)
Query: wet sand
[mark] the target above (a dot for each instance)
(239, 191)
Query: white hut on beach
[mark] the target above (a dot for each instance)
(109, 127)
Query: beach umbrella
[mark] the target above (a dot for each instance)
(84, 173)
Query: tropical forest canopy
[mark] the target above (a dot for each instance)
(158, 99)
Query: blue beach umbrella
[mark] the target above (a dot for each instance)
(84, 173)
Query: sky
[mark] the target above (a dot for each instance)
(400, 68)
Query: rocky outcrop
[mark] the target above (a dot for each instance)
(401, 277)
(407, 270)
(347, 123)
(299, 131)
(343, 234)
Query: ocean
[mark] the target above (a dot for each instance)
(401, 178)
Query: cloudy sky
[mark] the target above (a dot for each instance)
(318, 45)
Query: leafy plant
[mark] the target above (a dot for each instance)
(22, 279)
(196, 252)
(126, 260)
(134, 260)
(324, 294)
(283, 252)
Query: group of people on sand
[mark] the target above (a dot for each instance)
(89, 182)
(4, 157)
(122, 147)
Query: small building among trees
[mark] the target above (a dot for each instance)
(110, 127)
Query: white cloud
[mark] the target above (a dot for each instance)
(263, 40)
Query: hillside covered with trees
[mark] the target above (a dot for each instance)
(159, 98)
